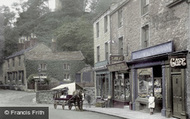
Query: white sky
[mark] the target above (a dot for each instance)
(10, 2)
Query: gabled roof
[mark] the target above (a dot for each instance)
(20, 52)
(34, 53)
(66, 55)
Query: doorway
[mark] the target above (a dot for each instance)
(177, 95)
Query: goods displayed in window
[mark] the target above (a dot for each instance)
(145, 83)
(121, 87)
(157, 88)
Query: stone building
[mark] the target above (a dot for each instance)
(118, 53)
(102, 42)
(85, 77)
(153, 39)
(39, 61)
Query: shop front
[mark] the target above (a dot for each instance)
(102, 81)
(152, 73)
(120, 81)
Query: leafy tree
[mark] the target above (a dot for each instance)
(32, 11)
(76, 35)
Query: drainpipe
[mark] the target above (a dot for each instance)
(188, 25)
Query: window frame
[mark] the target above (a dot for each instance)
(120, 46)
(98, 53)
(145, 37)
(144, 6)
(106, 51)
(105, 23)
(97, 30)
(120, 18)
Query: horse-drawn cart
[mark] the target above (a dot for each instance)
(68, 95)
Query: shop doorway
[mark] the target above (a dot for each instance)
(157, 87)
(121, 89)
(177, 94)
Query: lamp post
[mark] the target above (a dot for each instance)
(39, 72)
(37, 80)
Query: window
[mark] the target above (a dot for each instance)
(66, 66)
(120, 51)
(8, 63)
(98, 53)
(43, 66)
(105, 23)
(66, 77)
(19, 62)
(97, 29)
(145, 36)
(144, 6)
(120, 18)
(13, 62)
(106, 51)
(145, 84)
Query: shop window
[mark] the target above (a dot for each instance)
(102, 85)
(121, 87)
(145, 84)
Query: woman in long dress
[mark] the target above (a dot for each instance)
(151, 103)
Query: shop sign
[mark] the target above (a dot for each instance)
(117, 67)
(116, 58)
(178, 62)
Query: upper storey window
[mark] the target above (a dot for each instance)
(144, 6)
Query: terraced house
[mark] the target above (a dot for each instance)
(152, 38)
(40, 63)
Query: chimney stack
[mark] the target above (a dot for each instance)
(53, 45)
(26, 42)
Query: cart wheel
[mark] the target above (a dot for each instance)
(81, 105)
(63, 106)
(55, 105)
(70, 106)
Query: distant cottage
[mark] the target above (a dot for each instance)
(40, 63)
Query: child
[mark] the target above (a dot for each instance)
(151, 103)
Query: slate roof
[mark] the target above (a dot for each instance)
(65, 55)
(20, 52)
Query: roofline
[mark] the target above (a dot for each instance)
(100, 15)
(122, 4)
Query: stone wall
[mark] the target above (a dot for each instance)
(45, 97)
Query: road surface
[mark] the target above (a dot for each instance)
(10, 98)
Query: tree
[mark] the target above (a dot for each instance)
(32, 11)
(76, 35)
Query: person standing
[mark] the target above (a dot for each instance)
(151, 103)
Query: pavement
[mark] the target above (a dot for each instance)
(125, 113)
